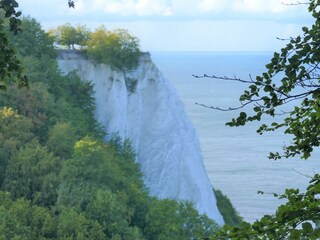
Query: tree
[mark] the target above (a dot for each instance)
(15, 132)
(51, 97)
(33, 174)
(31, 103)
(95, 183)
(298, 62)
(61, 140)
(113, 214)
(74, 225)
(32, 40)
(83, 35)
(65, 35)
(93, 165)
(298, 218)
(69, 36)
(292, 76)
(229, 213)
(22, 220)
(169, 219)
(11, 70)
(117, 48)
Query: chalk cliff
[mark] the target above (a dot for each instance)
(143, 106)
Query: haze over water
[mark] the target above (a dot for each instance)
(235, 158)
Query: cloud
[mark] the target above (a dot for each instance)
(193, 25)
(260, 6)
(131, 7)
(212, 5)
(232, 35)
(163, 10)
(151, 7)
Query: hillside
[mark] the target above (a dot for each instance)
(59, 179)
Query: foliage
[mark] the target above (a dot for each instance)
(298, 218)
(11, 70)
(52, 97)
(32, 40)
(168, 219)
(292, 75)
(229, 213)
(117, 48)
(15, 131)
(69, 36)
(74, 225)
(31, 103)
(83, 35)
(22, 220)
(75, 104)
(58, 178)
(65, 35)
(78, 93)
(98, 165)
(33, 174)
(94, 180)
(195, 225)
(61, 140)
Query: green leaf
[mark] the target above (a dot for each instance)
(257, 109)
(307, 227)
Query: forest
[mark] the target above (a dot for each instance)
(59, 179)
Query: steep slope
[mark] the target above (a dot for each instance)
(144, 107)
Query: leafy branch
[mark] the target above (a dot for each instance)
(296, 219)
(291, 76)
(10, 67)
(295, 4)
(11, 71)
(71, 4)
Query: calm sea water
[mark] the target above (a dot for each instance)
(235, 158)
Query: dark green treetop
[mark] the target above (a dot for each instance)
(32, 40)
(11, 70)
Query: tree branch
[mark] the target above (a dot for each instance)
(296, 3)
(225, 78)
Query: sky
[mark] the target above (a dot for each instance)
(182, 25)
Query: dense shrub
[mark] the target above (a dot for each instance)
(228, 212)
(116, 48)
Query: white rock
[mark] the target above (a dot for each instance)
(151, 115)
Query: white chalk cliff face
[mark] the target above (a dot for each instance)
(144, 107)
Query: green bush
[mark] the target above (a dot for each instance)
(228, 212)
(67, 35)
(116, 48)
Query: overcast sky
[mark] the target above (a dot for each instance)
(183, 25)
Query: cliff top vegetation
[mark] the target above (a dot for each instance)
(117, 48)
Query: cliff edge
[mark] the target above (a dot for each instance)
(143, 106)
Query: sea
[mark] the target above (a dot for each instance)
(236, 158)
